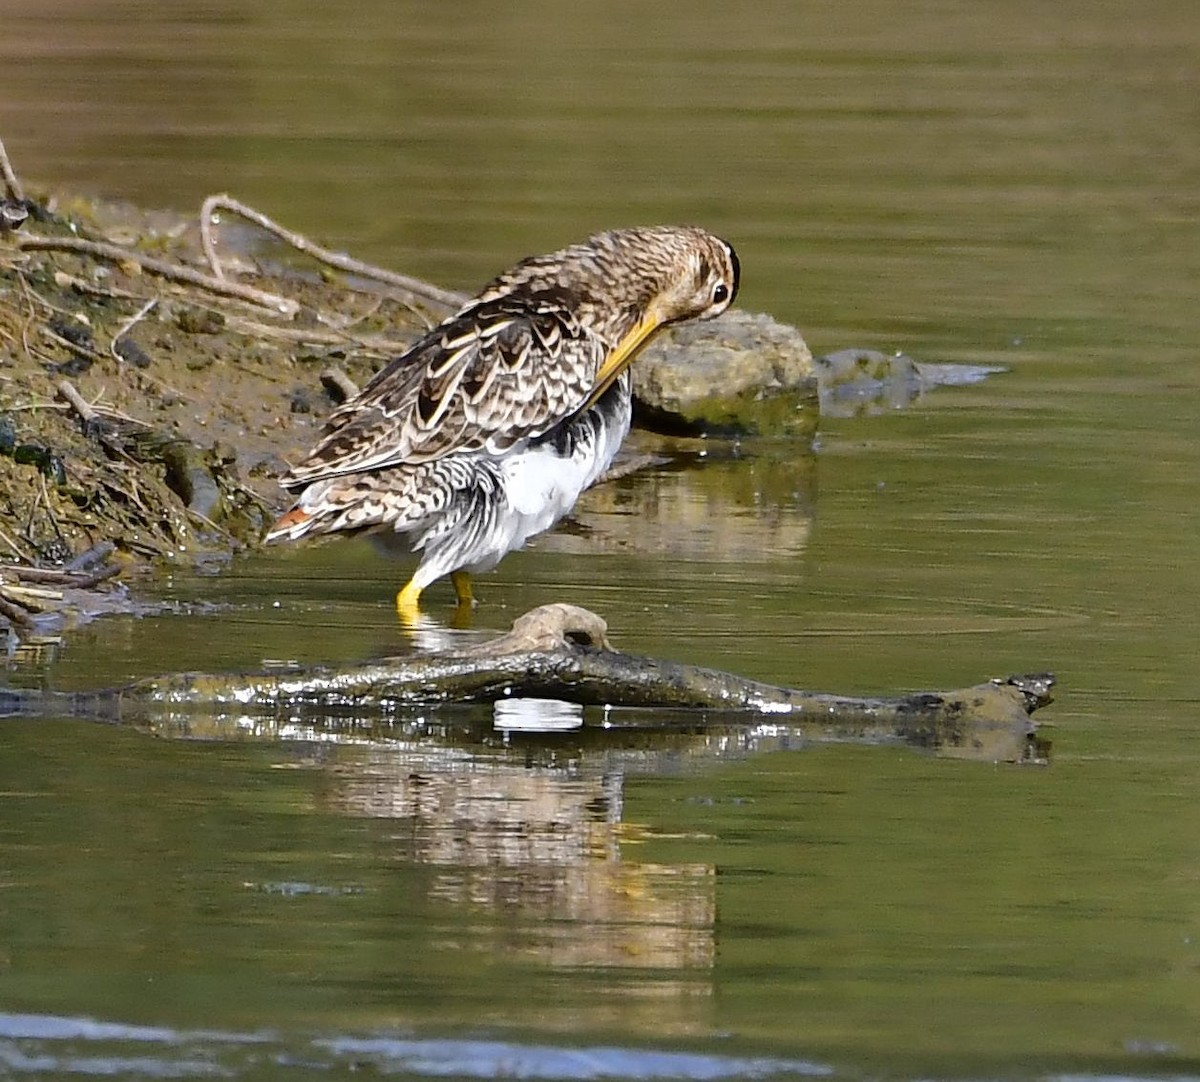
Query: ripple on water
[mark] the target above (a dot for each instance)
(39, 1044)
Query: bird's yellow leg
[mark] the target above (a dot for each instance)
(462, 588)
(406, 603)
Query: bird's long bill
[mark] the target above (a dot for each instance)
(619, 359)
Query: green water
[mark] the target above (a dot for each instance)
(1012, 183)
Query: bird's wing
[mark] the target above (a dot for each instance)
(500, 370)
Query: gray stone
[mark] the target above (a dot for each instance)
(863, 381)
(742, 374)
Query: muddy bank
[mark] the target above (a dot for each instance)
(152, 413)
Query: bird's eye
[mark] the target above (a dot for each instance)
(721, 293)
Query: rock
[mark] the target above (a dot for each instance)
(196, 320)
(856, 381)
(558, 626)
(13, 213)
(742, 374)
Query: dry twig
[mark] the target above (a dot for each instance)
(78, 348)
(33, 598)
(71, 396)
(32, 294)
(15, 615)
(82, 285)
(171, 271)
(49, 508)
(21, 407)
(29, 294)
(414, 287)
(12, 545)
(388, 347)
(129, 324)
(11, 184)
(21, 598)
(626, 466)
(73, 579)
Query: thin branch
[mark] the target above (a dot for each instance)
(314, 337)
(33, 598)
(94, 578)
(29, 294)
(68, 394)
(206, 521)
(21, 407)
(77, 348)
(11, 184)
(412, 286)
(163, 387)
(55, 575)
(626, 466)
(128, 325)
(114, 253)
(33, 295)
(70, 580)
(50, 508)
(82, 285)
(13, 546)
(15, 615)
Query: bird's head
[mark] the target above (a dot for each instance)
(626, 284)
(660, 274)
(693, 274)
(667, 274)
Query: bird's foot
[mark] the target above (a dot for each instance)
(408, 607)
(462, 589)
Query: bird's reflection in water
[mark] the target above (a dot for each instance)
(536, 835)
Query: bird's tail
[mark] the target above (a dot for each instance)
(340, 503)
(291, 525)
(403, 497)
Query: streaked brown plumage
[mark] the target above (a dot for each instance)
(486, 431)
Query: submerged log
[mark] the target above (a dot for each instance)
(562, 652)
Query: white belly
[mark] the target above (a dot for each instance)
(541, 486)
(540, 489)
(509, 499)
